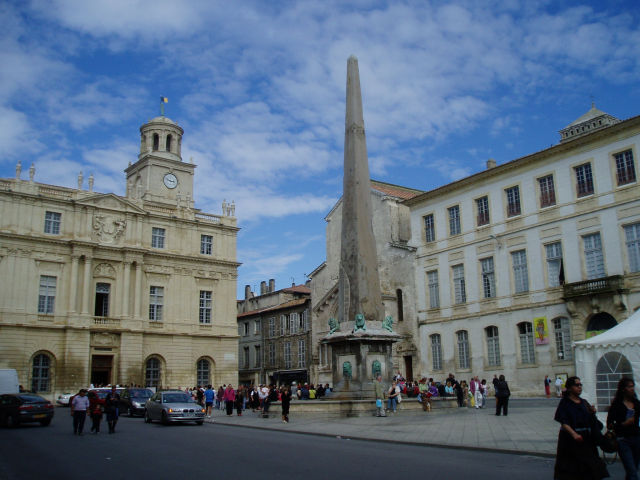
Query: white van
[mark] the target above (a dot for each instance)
(9, 381)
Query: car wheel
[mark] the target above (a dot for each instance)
(165, 419)
(147, 418)
(46, 422)
(199, 422)
(10, 421)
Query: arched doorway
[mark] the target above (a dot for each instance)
(611, 367)
(600, 322)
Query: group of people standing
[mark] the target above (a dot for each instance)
(88, 403)
(581, 432)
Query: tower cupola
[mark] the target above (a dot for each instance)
(161, 137)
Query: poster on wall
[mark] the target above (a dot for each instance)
(542, 331)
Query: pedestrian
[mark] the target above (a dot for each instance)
(476, 390)
(229, 398)
(239, 401)
(502, 396)
(219, 395)
(286, 403)
(484, 388)
(392, 396)
(624, 418)
(111, 408)
(96, 405)
(209, 398)
(547, 386)
(558, 387)
(379, 390)
(79, 408)
(577, 455)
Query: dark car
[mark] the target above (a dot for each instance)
(17, 408)
(132, 400)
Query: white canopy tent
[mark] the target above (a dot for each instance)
(602, 360)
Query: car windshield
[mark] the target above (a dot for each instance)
(32, 398)
(141, 393)
(176, 398)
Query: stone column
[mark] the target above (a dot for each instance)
(73, 284)
(138, 290)
(125, 293)
(86, 286)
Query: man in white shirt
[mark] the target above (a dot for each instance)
(79, 406)
(558, 387)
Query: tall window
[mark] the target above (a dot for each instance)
(206, 244)
(482, 205)
(272, 354)
(272, 326)
(527, 352)
(562, 332)
(245, 357)
(488, 278)
(41, 373)
(156, 302)
(584, 180)
(204, 314)
(554, 263)
(287, 354)
(434, 289)
(436, 351)
(257, 357)
(593, 256)
(152, 373)
(547, 191)
(463, 349)
(520, 273)
(625, 169)
(513, 201)
(493, 346)
(294, 322)
(157, 237)
(305, 320)
(52, 223)
(454, 220)
(245, 329)
(632, 236)
(203, 372)
(283, 324)
(459, 289)
(256, 327)
(102, 299)
(302, 353)
(47, 294)
(400, 304)
(429, 229)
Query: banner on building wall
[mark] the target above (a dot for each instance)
(542, 331)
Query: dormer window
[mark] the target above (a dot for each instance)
(156, 141)
(168, 144)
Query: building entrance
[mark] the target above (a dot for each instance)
(101, 366)
(408, 368)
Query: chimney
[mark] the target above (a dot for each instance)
(263, 287)
(491, 163)
(272, 285)
(247, 292)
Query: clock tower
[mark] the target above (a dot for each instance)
(160, 175)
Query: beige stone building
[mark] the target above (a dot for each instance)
(99, 288)
(515, 263)
(391, 229)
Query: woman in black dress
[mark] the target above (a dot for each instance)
(577, 455)
(624, 418)
(285, 394)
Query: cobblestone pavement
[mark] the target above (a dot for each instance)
(529, 427)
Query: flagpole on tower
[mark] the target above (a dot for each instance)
(163, 100)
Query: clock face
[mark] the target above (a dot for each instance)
(170, 180)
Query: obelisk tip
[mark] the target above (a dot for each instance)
(352, 58)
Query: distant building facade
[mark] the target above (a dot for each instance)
(274, 332)
(516, 262)
(391, 228)
(100, 288)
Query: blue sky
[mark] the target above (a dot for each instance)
(259, 88)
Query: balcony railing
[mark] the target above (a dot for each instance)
(107, 322)
(613, 284)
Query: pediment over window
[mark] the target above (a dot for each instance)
(111, 202)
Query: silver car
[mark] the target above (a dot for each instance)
(173, 406)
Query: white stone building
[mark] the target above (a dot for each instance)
(391, 229)
(516, 262)
(99, 288)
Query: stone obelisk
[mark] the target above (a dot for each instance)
(359, 283)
